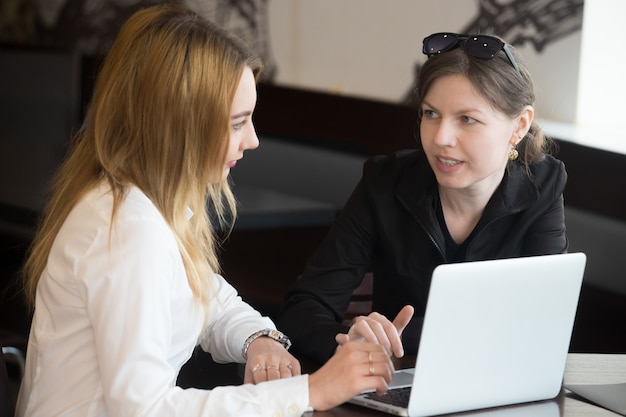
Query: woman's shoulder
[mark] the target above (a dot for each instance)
(548, 166)
(550, 162)
(546, 174)
(91, 230)
(94, 212)
(135, 204)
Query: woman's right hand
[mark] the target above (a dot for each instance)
(354, 368)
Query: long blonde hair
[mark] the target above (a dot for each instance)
(158, 120)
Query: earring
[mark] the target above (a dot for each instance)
(513, 154)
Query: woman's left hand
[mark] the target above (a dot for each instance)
(269, 360)
(376, 328)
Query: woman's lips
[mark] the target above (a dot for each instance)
(448, 164)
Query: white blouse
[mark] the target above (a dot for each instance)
(115, 320)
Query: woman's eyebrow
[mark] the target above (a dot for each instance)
(241, 114)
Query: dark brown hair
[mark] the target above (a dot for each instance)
(507, 90)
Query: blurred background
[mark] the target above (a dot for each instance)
(337, 89)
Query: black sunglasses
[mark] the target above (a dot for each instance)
(478, 46)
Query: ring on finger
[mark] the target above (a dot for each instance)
(271, 367)
(289, 366)
(258, 367)
(371, 357)
(372, 369)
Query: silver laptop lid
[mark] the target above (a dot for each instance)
(496, 333)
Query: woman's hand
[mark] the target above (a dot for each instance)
(268, 360)
(376, 328)
(354, 368)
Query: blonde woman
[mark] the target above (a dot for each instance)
(123, 273)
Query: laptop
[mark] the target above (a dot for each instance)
(495, 333)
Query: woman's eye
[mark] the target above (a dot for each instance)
(429, 114)
(467, 119)
(238, 126)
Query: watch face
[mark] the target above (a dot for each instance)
(281, 338)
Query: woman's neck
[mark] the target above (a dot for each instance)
(462, 210)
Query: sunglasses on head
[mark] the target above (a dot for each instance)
(478, 46)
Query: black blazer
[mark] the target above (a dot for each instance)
(389, 225)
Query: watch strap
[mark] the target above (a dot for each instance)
(274, 334)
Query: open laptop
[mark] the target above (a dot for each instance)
(495, 333)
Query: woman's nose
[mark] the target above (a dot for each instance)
(251, 141)
(445, 134)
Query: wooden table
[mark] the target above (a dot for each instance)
(585, 368)
(581, 368)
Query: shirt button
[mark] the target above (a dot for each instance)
(294, 410)
(277, 414)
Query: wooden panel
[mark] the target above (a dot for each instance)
(596, 179)
(340, 122)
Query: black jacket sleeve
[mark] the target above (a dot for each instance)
(315, 306)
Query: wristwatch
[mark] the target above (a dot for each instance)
(272, 334)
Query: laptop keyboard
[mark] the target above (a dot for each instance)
(396, 396)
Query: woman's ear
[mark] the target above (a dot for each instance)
(524, 121)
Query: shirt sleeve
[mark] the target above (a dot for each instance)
(231, 321)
